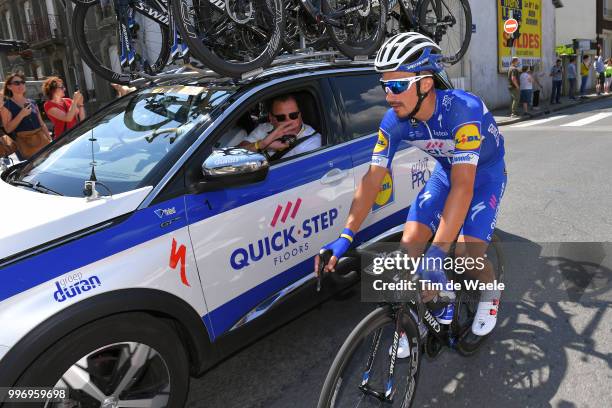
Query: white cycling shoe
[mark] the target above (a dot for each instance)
(403, 348)
(486, 317)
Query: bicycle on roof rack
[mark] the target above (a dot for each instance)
(447, 22)
(120, 39)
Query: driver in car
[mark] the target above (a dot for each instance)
(285, 134)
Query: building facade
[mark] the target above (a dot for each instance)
(45, 26)
(604, 27)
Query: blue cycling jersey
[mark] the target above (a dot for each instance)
(461, 130)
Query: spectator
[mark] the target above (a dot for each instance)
(608, 84)
(556, 72)
(65, 113)
(584, 75)
(514, 87)
(21, 118)
(526, 84)
(122, 90)
(538, 89)
(571, 77)
(7, 146)
(601, 75)
(284, 118)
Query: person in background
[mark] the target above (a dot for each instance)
(526, 84)
(63, 112)
(122, 90)
(571, 77)
(538, 89)
(608, 73)
(7, 145)
(514, 87)
(600, 72)
(556, 72)
(584, 75)
(21, 118)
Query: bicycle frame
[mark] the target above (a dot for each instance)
(156, 10)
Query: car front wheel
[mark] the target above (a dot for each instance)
(125, 360)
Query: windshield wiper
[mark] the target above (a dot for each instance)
(37, 186)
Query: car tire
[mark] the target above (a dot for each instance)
(157, 340)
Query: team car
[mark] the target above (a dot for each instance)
(142, 247)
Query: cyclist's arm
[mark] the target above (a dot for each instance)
(364, 197)
(457, 204)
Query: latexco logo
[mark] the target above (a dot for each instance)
(74, 285)
(287, 242)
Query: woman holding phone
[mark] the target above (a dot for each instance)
(65, 113)
(21, 118)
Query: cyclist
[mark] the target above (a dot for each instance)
(462, 196)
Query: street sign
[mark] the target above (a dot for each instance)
(510, 26)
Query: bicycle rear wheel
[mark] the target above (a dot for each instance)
(448, 23)
(346, 375)
(360, 32)
(234, 37)
(95, 30)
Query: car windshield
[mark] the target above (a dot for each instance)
(129, 144)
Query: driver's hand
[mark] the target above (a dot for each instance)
(271, 142)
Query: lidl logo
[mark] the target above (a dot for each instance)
(382, 143)
(385, 195)
(467, 138)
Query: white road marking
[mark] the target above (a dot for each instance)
(537, 122)
(589, 119)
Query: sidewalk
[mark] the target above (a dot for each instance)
(502, 116)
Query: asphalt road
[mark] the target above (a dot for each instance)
(553, 343)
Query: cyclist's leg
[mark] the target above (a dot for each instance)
(424, 217)
(473, 242)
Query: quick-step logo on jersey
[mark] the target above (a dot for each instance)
(287, 240)
(385, 195)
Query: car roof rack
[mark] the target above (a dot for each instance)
(309, 55)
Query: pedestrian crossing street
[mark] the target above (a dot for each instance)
(581, 120)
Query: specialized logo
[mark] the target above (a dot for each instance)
(420, 173)
(467, 138)
(382, 143)
(74, 285)
(424, 197)
(385, 195)
(477, 208)
(495, 132)
(279, 209)
(285, 243)
(176, 256)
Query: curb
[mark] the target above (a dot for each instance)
(550, 109)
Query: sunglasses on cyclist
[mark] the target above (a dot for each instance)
(397, 86)
(282, 117)
(17, 82)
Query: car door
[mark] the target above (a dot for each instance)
(253, 241)
(362, 105)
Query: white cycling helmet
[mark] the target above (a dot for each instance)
(409, 52)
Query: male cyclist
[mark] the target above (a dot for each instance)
(461, 198)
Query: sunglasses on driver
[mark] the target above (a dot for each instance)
(397, 86)
(282, 117)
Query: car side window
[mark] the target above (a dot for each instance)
(363, 101)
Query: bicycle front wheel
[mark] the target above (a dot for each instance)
(232, 39)
(372, 338)
(448, 23)
(359, 32)
(95, 31)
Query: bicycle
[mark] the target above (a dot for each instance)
(234, 37)
(361, 375)
(143, 37)
(447, 22)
